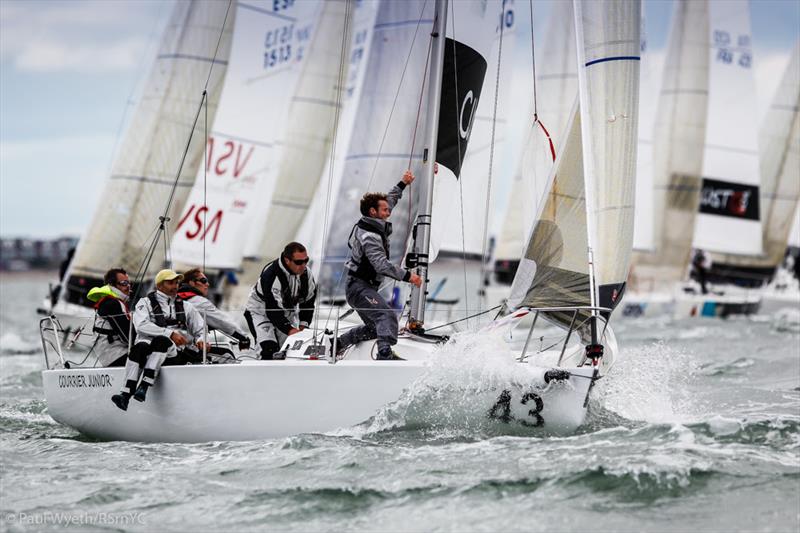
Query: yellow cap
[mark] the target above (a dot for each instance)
(167, 275)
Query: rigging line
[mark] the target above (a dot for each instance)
(414, 135)
(385, 131)
(185, 153)
(533, 63)
(491, 151)
(460, 182)
(216, 50)
(340, 82)
(205, 184)
(397, 93)
(428, 330)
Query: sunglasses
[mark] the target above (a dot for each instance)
(202, 280)
(124, 283)
(299, 262)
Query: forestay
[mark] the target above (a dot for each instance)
(227, 209)
(680, 127)
(145, 168)
(588, 212)
(729, 217)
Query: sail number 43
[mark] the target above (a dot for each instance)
(501, 410)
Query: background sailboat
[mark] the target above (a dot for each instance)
(194, 50)
(226, 208)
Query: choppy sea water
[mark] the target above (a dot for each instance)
(696, 428)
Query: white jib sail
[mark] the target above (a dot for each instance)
(229, 199)
(608, 44)
(555, 268)
(143, 172)
(557, 88)
(729, 220)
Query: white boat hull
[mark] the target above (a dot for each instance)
(272, 399)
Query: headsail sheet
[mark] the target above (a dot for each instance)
(729, 218)
(222, 214)
(144, 170)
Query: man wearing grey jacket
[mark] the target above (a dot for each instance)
(367, 266)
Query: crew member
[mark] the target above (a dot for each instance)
(112, 319)
(164, 324)
(282, 301)
(195, 290)
(367, 265)
(701, 264)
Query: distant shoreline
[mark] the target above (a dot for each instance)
(44, 275)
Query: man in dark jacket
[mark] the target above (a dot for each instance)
(367, 266)
(282, 301)
(112, 320)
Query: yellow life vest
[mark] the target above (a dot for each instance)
(97, 293)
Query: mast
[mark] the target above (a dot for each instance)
(422, 226)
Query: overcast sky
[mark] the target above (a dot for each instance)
(68, 71)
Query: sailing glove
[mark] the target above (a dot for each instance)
(244, 341)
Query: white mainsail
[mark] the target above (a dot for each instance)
(680, 126)
(222, 214)
(588, 211)
(194, 48)
(729, 220)
(556, 87)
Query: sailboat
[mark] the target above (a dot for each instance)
(585, 232)
(707, 158)
(778, 197)
(198, 36)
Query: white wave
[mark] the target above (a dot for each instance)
(650, 384)
(11, 343)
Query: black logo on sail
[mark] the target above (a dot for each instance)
(464, 69)
(728, 199)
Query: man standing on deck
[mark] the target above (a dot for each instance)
(367, 265)
(282, 301)
(164, 323)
